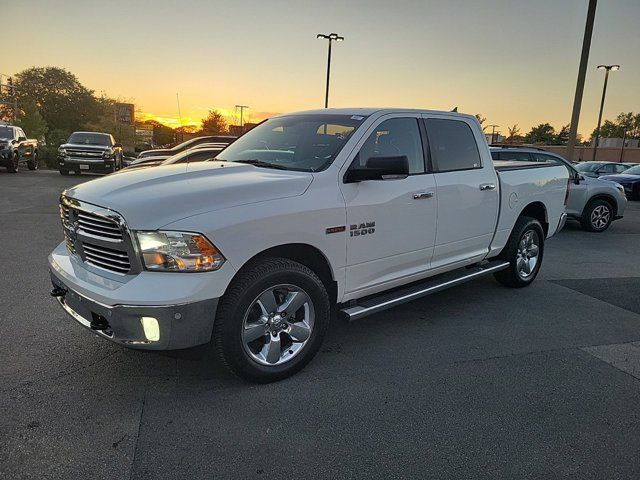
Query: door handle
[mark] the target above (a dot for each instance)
(487, 186)
(422, 195)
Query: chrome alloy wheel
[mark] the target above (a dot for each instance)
(527, 255)
(600, 217)
(278, 324)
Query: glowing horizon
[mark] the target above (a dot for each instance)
(477, 56)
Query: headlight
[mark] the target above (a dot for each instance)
(178, 252)
(62, 151)
(108, 153)
(620, 187)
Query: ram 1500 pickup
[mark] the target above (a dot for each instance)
(308, 216)
(16, 148)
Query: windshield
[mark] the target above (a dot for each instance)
(6, 132)
(588, 167)
(80, 138)
(306, 143)
(632, 171)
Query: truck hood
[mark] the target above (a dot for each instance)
(150, 198)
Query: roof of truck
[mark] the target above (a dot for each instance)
(371, 110)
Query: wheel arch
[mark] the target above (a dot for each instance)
(303, 253)
(538, 211)
(607, 198)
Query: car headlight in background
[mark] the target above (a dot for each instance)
(108, 153)
(620, 187)
(178, 252)
(62, 151)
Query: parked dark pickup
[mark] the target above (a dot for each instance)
(89, 152)
(15, 149)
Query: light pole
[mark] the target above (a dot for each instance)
(493, 131)
(241, 107)
(332, 37)
(608, 68)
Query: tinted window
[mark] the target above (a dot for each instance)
(587, 167)
(541, 157)
(633, 170)
(620, 168)
(294, 142)
(201, 156)
(392, 138)
(511, 155)
(607, 168)
(90, 139)
(453, 145)
(6, 132)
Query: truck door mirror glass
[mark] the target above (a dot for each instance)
(379, 168)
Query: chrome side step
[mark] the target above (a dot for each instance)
(374, 304)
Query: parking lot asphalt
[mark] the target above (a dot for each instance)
(479, 381)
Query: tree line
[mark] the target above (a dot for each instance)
(52, 103)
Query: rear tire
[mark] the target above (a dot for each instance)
(524, 252)
(272, 320)
(33, 162)
(597, 216)
(14, 161)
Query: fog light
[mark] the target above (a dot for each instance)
(151, 328)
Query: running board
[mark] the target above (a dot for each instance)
(374, 304)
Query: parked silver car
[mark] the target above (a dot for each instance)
(594, 202)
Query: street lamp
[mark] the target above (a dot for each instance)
(332, 37)
(608, 68)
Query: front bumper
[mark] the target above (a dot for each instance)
(78, 165)
(179, 326)
(184, 305)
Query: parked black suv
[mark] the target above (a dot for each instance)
(89, 152)
(16, 148)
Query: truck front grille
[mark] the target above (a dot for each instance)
(77, 153)
(97, 239)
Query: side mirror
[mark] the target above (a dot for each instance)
(379, 168)
(22, 139)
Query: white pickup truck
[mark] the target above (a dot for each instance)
(308, 216)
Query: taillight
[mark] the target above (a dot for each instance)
(566, 195)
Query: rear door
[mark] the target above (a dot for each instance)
(467, 191)
(390, 223)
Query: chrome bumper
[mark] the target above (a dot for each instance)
(179, 326)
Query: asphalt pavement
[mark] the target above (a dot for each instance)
(479, 381)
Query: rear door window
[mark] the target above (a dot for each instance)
(453, 145)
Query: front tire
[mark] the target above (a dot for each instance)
(272, 320)
(33, 162)
(524, 252)
(597, 216)
(14, 162)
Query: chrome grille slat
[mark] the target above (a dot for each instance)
(96, 251)
(106, 260)
(100, 233)
(107, 266)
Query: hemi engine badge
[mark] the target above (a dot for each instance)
(336, 229)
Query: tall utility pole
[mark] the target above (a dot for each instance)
(179, 114)
(332, 37)
(582, 72)
(608, 68)
(493, 131)
(241, 107)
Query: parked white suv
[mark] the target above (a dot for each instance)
(339, 210)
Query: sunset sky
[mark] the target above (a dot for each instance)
(514, 61)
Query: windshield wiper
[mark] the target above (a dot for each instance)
(260, 163)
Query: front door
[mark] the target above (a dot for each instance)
(391, 223)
